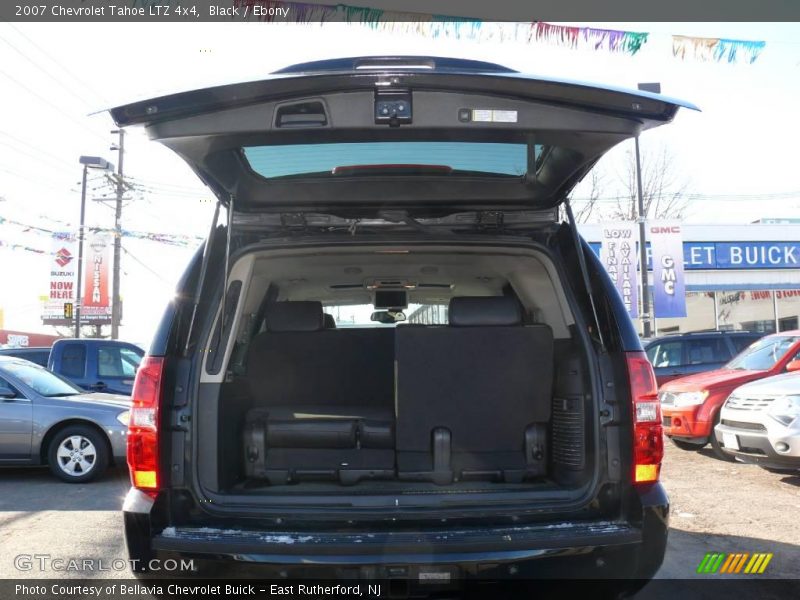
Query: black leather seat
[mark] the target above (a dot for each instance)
(473, 398)
(323, 398)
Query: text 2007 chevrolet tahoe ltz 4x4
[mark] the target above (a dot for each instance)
(390, 356)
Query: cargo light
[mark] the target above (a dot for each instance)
(648, 440)
(143, 423)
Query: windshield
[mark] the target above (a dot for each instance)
(41, 380)
(360, 315)
(763, 354)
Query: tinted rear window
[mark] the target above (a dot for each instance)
(322, 159)
(73, 360)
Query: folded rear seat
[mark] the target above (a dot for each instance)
(473, 398)
(323, 399)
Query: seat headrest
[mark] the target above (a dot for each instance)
(328, 321)
(480, 311)
(303, 315)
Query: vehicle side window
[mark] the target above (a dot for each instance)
(6, 390)
(651, 353)
(73, 360)
(705, 351)
(113, 361)
(668, 354)
(740, 342)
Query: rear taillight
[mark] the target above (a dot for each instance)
(143, 425)
(648, 441)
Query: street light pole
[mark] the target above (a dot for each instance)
(654, 88)
(95, 162)
(642, 246)
(78, 295)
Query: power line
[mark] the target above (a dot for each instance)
(53, 106)
(45, 71)
(126, 251)
(61, 66)
(38, 149)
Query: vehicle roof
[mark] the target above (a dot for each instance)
(26, 349)
(95, 341)
(699, 334)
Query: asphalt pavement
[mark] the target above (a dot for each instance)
(39, 516)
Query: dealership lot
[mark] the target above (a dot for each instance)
(716, 507)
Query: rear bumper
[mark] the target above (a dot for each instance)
(576, 549)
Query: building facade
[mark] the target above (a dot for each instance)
(738, 277)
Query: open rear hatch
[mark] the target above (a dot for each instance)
(404, 140)
(427, 135)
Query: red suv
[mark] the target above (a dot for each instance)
(690, 405)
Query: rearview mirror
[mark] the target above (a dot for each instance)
(388, 316)
(794, 365)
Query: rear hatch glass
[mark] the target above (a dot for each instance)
(365, 158)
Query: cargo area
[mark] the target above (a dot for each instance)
(483, 388)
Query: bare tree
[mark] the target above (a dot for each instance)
(663, 187)
(588, 205)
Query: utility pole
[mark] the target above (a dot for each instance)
(115, 302)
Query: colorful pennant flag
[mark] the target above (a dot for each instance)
(716, 49)
(459, 28)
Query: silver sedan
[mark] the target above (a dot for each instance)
(45, 419)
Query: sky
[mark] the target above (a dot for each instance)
(738, 154)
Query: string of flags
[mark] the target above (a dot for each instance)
(183, 241)
(434, 26)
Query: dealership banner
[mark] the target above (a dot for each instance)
(63, 272)
(618, 255)
(96, 306)
(666, 245)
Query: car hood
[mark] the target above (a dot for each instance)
(323, 127)
(779, 385)
(711, 379)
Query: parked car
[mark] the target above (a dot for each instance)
(691, 405)
(38, 355)
(96, 365)
(518, 431)
(760, 422)
(47, 420)
(674, 356)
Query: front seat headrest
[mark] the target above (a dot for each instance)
(305, 315)
(328, 321)
(484, 311)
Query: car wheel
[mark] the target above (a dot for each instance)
(716, 447)
(687, 445)
(78, 454)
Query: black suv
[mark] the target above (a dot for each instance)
(677, 355)
(392, 359)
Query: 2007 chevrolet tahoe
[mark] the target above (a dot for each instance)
(392, 358)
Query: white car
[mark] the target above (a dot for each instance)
(760, 423)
